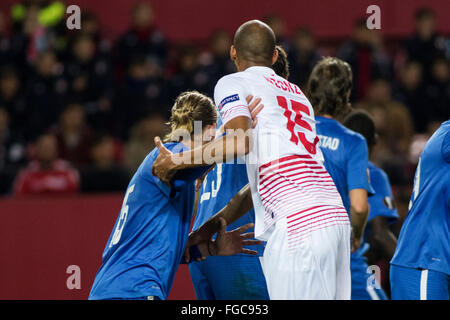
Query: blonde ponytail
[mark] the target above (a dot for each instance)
(189, 107)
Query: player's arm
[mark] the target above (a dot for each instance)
(235, 106)
(235, 143)
(239, 205)
(226, 243)
(359, 185)
(382, 236)
(359, 211)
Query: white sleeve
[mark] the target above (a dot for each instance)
(229, 97)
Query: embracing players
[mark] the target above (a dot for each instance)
(298, 210)
(237, 277)
(150, 236)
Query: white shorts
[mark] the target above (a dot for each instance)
(318, 268)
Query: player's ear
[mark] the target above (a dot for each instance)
(275, 56)
(233, 53)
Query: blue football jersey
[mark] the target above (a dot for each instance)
(346, 160)
(147, 244)
(346, 157)
(382, 202)
(424, 240)
(220, 185)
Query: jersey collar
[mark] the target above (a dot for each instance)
(261, 69)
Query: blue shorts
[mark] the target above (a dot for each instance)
(364, 285)
(418, 284)
(235, 277)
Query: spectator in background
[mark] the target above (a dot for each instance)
(409, 91)
(394, 126)
(278, 25)
(91, 28)
(437, 91)
(141, 139)
(189, 74)
(73, 135)
(37, 26)
(104, 174)
(425, 45)
(365, 59)
(89, 80)
(5, 44)
(44, 94)
(28, 37)
(47, 173)
(303, 56)
(12, 152)
(141, 92)
(216, 61)
(143, 38)
(12, 98)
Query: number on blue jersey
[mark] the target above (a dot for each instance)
(123, 218)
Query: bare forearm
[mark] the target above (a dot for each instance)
(359, 210)
(233, 144)
(358, 219)
(240, 204)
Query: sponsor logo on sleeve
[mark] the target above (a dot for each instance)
(389, 203)
(232, 98)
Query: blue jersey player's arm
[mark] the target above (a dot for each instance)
(358, 185)
(234, 144)
(227, 243)
(239, 205)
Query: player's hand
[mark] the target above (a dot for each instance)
(232, 242)
(255, 107)
(164, 166)
(356, 243)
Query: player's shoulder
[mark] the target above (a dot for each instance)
(437, 148)
(445, 148)
(352, 137)
(376, 173)
(147, 163)
(240, 76)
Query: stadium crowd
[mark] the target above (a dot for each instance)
(78, 112)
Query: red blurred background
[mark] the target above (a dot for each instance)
(40, 236)
(195, 19)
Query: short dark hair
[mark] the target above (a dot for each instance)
(328, 86)
(362, 122)
(424, 13)
(255, 41)
(281, 66)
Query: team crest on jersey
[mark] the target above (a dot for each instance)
(232, 98)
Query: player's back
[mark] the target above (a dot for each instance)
(424, 240)
(346, 157)
(284, 165)
(149, 236)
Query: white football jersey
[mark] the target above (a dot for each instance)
(285, 165)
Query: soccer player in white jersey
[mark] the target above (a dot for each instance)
(298, 209)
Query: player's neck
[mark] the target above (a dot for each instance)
(248, 64)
